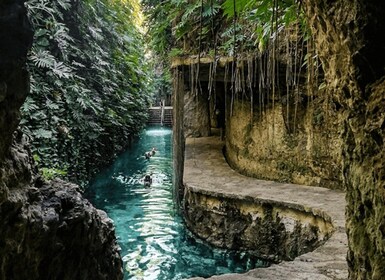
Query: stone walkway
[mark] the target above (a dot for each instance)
(207, 170)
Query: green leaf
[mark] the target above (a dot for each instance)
(42, 133)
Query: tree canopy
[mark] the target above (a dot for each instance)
(180, 27)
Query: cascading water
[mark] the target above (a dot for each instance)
(155, 244)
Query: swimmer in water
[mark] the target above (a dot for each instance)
(147, 155)
(147, 180)
(153, 151)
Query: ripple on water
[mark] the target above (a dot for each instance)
(154, 241)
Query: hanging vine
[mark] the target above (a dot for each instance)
(197, 81)
(234, 29)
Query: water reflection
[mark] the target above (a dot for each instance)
(155, 244)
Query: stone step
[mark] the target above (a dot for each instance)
(155, 116)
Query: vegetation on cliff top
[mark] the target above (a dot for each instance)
(185, 27)
(90, 84)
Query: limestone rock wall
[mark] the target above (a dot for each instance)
(196, 115)
(349, 42)
(263, 146)
(15, 38)
(270, 230)
(47, 230)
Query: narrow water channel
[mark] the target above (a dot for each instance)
(155, 244)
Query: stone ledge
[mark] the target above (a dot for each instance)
(206, 167)
(194, 59)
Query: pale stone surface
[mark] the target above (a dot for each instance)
(264, 147)
(196, 116)
(207, 171)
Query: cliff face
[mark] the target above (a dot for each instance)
(16, 38)
(349, 43)
(47, 231)
(262, 146)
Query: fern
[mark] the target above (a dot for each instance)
(189, 10)
(42, 58)
(64, 4)
(240, 5)
(29, 105)
(60, 70)
(42, 133)
(211, 11)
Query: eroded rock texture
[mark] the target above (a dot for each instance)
(15, 38)
(47, 231)
(348, 37)
(272, 231)
(196, 115)
(264, 147)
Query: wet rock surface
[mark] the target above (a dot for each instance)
(271, 230)
(49, 231)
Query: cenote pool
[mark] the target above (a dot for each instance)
(155, 244)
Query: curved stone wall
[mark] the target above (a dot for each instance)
(264, 148)
(273, 230)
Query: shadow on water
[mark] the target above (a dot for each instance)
(155, 244)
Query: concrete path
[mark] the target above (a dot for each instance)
(206, 169)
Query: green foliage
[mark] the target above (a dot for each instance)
(51, 173)
(199, 26)
(177, 23)
(175, 52)
(231, 7)
(90, 84)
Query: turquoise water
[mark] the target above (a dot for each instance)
(154, 241)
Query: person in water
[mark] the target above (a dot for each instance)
(147, 155)
(147, 180)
